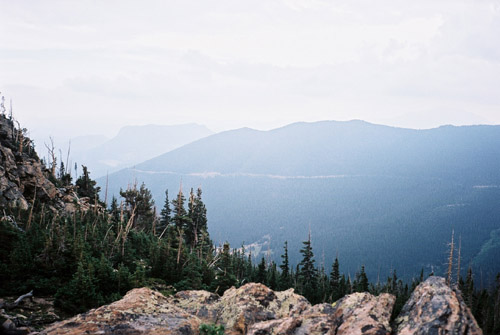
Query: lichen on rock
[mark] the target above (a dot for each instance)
(435, 308)
(255, 309)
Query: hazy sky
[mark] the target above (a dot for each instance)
(83, 67)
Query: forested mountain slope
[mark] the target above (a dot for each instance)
(382, 196)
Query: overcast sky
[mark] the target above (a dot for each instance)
(91, 67)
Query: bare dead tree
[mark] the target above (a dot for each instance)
(68, 169)
(106, 191)
(28, 225)
(2, 105)
(450, 259)
(52, 156)
(10, 110)
(18, 300)
(19, 137)
(458, 258)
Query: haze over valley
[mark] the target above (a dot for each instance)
(365, 191)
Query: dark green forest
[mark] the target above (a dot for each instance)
(95, 254)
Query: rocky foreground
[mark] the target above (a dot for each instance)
(433, 308)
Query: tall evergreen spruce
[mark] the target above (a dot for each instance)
(224, 278)
(273, 276)
(308, 274)
(180, 218)
(140, 206)
(361, 282)
(261, 272)
(86, 187)
(197, 223)
(285, 281)
(164, 216)
(336, 291)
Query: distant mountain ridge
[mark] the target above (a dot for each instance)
(135, 144)
(339, 148)
(381, 196)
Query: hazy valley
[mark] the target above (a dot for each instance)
(384, 197)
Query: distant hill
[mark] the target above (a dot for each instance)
(376, 195)
(132, 145)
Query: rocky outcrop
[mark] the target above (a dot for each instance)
(253, 303)
(434, 308)
(250, 309)
(141, 311)
(256, 310)
(23, 178)
(358, 313)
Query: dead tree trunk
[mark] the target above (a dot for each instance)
(18, 300)
(450, 260)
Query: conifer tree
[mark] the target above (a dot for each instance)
(114, 210)
(164, 216)
(323, 285)
(140, 203)
(224, 278)
(361, 281)
(197, 223)
(249, 271)
(273, 277)
(180, 214)
(335, 289)
(308, 272)
(285, 280)
(468, 289)
(86, 187)
(261, 272)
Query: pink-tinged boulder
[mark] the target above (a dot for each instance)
(434, 309)
(252, 303)
(358, 313)
(141, 311)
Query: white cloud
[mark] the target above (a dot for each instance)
(76, 67)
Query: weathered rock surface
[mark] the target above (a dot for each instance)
(23, 178)
(141, 311)
(250, 309)
(434, 308)
(253, 303)
(255, 309)
(358, 313)
(202, 304)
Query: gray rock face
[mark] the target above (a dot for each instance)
(23, 178)
(434, 308)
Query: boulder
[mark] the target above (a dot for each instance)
(358, 313)
(141, 311)
(202, 304)
(252, 303)
(254, 309)
(435, 308)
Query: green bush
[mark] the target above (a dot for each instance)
(211, 329)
